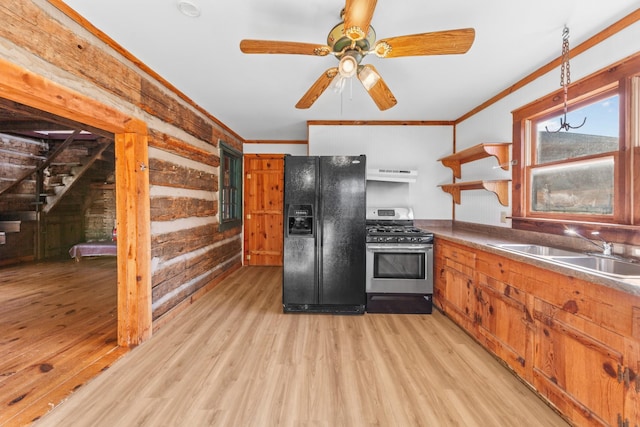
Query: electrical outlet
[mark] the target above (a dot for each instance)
(503, 216)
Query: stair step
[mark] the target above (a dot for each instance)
(10, 226)
(18, 216)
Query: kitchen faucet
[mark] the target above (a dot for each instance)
(607, 247)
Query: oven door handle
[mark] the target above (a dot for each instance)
(398, 248)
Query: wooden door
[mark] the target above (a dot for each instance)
(263, 208)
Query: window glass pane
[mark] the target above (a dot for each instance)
(230, 187)
(599, 134)
(576, 188)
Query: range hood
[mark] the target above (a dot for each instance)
(392, 175)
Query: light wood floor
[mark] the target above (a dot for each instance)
(234, 359)
(57, 330)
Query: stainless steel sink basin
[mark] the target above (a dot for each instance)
(538, 250)
(609, 266)
(593, 263)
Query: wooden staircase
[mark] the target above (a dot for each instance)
(59, 184)
(36, 178)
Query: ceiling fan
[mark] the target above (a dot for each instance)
(354, 38)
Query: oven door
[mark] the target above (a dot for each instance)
(399, 268)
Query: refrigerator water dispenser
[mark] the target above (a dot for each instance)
(300, 220)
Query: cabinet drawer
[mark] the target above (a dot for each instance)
(462, 256)
(460, 260)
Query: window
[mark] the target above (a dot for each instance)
(586, 175)
(230, 187)
(572, 173)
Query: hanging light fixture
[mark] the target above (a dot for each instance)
(565, 80)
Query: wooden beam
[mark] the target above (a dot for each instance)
(134, 239)
(28, 88)
(276, 141)
(380, 122)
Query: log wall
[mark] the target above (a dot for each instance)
(187, 251)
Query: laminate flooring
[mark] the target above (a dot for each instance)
(234, 359)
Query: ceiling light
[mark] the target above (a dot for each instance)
(188, 8)
(368, 77)
(348, 66)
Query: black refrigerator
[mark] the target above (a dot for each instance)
(324, 234)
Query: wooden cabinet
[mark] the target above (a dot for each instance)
(577, 371)
(577, 343)
(504, 322)
(454, 161)
(459, 290)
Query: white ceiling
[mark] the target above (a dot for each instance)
(255, 95)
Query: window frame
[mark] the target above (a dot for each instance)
(532, 164)
(228, 152)
(621, 227)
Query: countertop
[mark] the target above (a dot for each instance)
(480, 237)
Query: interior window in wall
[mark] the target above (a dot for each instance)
(230, 187)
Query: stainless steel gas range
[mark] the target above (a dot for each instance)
(399, 263)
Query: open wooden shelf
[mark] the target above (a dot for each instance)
(499, 187)
(499, 150)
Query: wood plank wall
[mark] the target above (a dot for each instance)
(187, 251)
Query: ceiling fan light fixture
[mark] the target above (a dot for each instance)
(368, 77)
(348, 66)
(188, 8)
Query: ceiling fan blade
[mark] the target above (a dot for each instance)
(436, 43)
(377, 88)
(317, 88)
(357, 17)
(296, 48)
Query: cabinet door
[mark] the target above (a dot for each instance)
(459, 293)
(505, 325)
(578, 372)
(439, 280)
(632, 375)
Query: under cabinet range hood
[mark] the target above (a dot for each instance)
(392, 175)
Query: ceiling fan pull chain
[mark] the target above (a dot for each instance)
(351, 89)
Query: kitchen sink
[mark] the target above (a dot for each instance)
(538, 250)
(609, 266)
